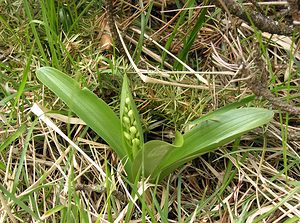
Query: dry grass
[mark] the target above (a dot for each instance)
(254, 179)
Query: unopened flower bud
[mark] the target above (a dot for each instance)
(130, 113)
(127, 100)
(127, 135)
(135, 142)
(132, 130)
(126, 120)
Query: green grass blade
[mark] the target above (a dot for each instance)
(53, 211)
(2, 166)
(20, 203)
(22, 158)
(91, 109)
(184, 52)
(175, 29)
(25, 75)
(65, 17)
(8, 27)
(13, 95)
(50, 24)
(12, 137)
(292, 219)
(144, 21)
(179, 192)
(283, 200)
(79, 17)
(34, 31)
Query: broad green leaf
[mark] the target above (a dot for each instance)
(91, 109)
(223, 109)
(154, 152)
(127, 104)
(212, 134)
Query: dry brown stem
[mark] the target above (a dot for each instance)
(294, 9)
(262, 22)
(258, 84)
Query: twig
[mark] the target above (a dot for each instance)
(262, 22)
(294, 10)
(257, 6)
(258, 84)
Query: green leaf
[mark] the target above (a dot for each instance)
(222, 110)
(154, 152)
(212, 134)
(91, 109)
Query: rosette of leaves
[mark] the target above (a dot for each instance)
(155, 159)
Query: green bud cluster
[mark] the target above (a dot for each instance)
(130, 130)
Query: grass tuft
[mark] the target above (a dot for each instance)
(188, 59)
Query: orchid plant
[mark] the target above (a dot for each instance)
(155, 159)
